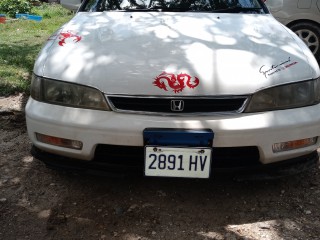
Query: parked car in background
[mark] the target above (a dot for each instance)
(302, 17)
(72, 5)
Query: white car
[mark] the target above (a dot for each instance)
(302, 17)
(175, 89)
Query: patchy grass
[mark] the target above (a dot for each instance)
(20, 43)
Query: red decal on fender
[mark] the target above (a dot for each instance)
(68, 34)
(175, 82)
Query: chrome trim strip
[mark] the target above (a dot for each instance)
(178, 97)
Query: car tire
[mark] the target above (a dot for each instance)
(310, 34)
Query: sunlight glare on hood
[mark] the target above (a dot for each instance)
(201, 57)
(225, 40)
(196, 28)
(163, 32)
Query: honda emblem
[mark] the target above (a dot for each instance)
(177, 105)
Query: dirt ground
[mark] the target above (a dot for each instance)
(39, 203)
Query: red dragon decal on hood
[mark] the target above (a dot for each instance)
(176, 82)
(68, 34)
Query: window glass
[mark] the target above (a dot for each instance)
(232, 6)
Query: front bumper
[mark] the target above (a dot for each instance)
(125, 167)
(94, 128)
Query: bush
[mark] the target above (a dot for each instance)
(11, 7)
(47, 10)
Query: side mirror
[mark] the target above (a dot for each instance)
(274, 5)
(72, 5)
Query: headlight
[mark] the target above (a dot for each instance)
(67, 94)
(286, 96)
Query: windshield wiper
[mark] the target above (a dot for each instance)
(140, 10)
(176, 10)
(237, 9)
(155, 9)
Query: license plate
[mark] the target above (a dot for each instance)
(177, 162)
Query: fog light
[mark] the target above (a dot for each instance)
(61, 142)
(286, 146)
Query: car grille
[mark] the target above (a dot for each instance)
(171, 105)
(222, 157)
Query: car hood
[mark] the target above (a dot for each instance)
(152, 53)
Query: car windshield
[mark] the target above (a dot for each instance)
(227, 6)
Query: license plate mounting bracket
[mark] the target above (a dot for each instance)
(178, 137)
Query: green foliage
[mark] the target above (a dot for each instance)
(20, 43)
(47, 10)
(11, 7)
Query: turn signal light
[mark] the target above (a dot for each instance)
(286, 146)
(61, 142)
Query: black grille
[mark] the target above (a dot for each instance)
(224, 157)
(191, 105)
